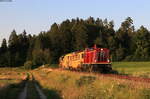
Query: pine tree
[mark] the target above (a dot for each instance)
(80, 33)
(4, 46)
(142, 41)
(12, 47)
(3, 54)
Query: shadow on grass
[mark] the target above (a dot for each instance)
(50, 93)
(11, 91)
(118, 73)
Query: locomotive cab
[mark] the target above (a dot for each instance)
(97, 59)
(103, 55)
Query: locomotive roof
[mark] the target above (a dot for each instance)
(88, 49)
(75, 52)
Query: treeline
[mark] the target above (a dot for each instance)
(125, 44)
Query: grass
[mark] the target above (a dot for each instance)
(71, 85)
(140, 69)
(11, 91)
(54, 66)
(63, 84)
(11, 82)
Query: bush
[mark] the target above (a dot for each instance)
(28, 65)
(85, 80)
(54, 66)
(46, 65)
(128, 58)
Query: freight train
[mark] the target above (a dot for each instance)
(90, 59)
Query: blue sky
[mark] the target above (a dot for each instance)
(37, 15)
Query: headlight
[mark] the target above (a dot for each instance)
(108, 60)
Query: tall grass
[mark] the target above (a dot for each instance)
(71, 85)
(11, 82)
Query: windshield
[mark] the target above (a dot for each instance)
(101, 56)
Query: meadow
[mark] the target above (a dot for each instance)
(11, 82)
(63, 84)
(138, 69)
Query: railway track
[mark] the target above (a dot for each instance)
(127, 77)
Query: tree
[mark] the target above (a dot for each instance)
(66, 37)
(3, 54)
(31, 47)
(105, 22)
(13, 40)
(23, 45)
(28, 65)
(142, 41)
(3, 46)
(80, 32)
(99, 22)
(124, 36)
(100, 40)
(120, 54)
(74, 35)
(41, 57)
(90, 20)
(55, 40)
(12, 47)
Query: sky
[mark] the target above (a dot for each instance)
(38, 15)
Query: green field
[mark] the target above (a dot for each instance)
(141, 69)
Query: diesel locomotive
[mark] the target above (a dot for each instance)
(90, 59)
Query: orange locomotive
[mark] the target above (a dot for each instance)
(91, 59)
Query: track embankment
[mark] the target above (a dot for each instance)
(117, 76)
(127, 77)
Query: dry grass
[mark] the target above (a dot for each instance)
(11, 82)
(58, 84)
(71, 85)
(9, 76)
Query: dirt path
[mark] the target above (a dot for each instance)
(28, 84)
(23, 94)
(41, 94)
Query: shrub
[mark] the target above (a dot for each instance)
(85, 80)
(28, 65)
(63, 78)
(46, 65)
(146, 93)
(54, 66)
